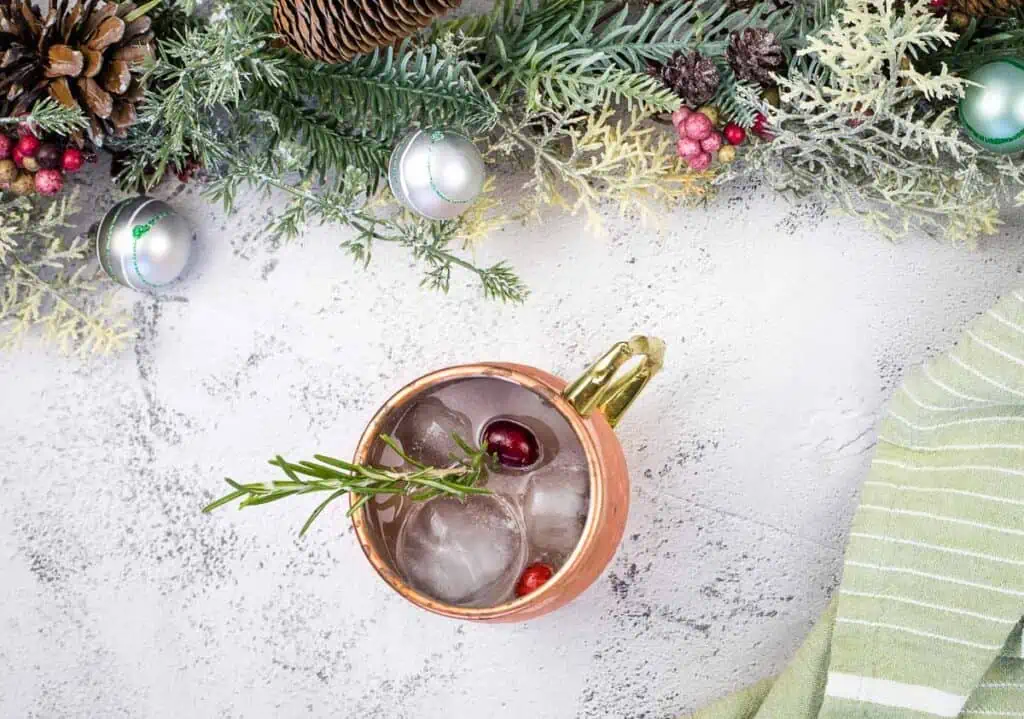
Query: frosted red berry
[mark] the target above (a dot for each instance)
(514, 444)
(680, 115)
(687, 148)
(698, 126)
(712, 142)
(72, 160)
(29, 145)
(533, 578)
(49, 182)
(6, 147)
(700, 162)
(760, 127)
(734, 134)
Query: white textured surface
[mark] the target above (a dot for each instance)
(787, 329)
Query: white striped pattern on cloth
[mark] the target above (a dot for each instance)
(893, 694)
(934, 565)
(927, 619)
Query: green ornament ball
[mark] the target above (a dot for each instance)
(992, 112)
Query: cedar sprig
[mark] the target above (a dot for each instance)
(863, 126)
(340, 478)
(46, 281)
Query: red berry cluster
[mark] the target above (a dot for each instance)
(700, 140)
(29, 165)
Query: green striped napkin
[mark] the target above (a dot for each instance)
(927, 621)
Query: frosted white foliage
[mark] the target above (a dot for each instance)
(860, 123)
(47, 279)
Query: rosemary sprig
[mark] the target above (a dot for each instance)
(48, 116)
(327, 474)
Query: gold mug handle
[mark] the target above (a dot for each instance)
(603, 387)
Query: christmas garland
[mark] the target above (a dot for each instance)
(865, 104)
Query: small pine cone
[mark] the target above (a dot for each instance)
(754, 55)
(985, 8)
(693, 77)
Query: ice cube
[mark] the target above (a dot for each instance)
(466, 553)
(425, 432)
(555, 508)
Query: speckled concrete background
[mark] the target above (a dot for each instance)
(787, 330)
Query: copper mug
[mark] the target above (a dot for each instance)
(592, 405)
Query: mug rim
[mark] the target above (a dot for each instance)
(544, 385)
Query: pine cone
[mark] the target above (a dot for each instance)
(985, 8)
(338, 30)
(82, 53)
(754, 55)
(693, 77)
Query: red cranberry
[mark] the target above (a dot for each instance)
(6, 147)
(760, 127)
(734, 134)
(49, 182)
(29, 145)
(514, 444)
(532, 578)
(72, 160)
(188, 171)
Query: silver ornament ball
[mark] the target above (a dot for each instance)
(992, 112)
(144, 243)
(436, 173)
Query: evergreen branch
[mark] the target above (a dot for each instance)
(862, 125)
(202, 71)
(966, 56)
(731, 98)
(340, 478)
(393, 89)
(542, 35)
(330, 146)
(574, 86)
(141, 10)
(49, 116)
(428, 241)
